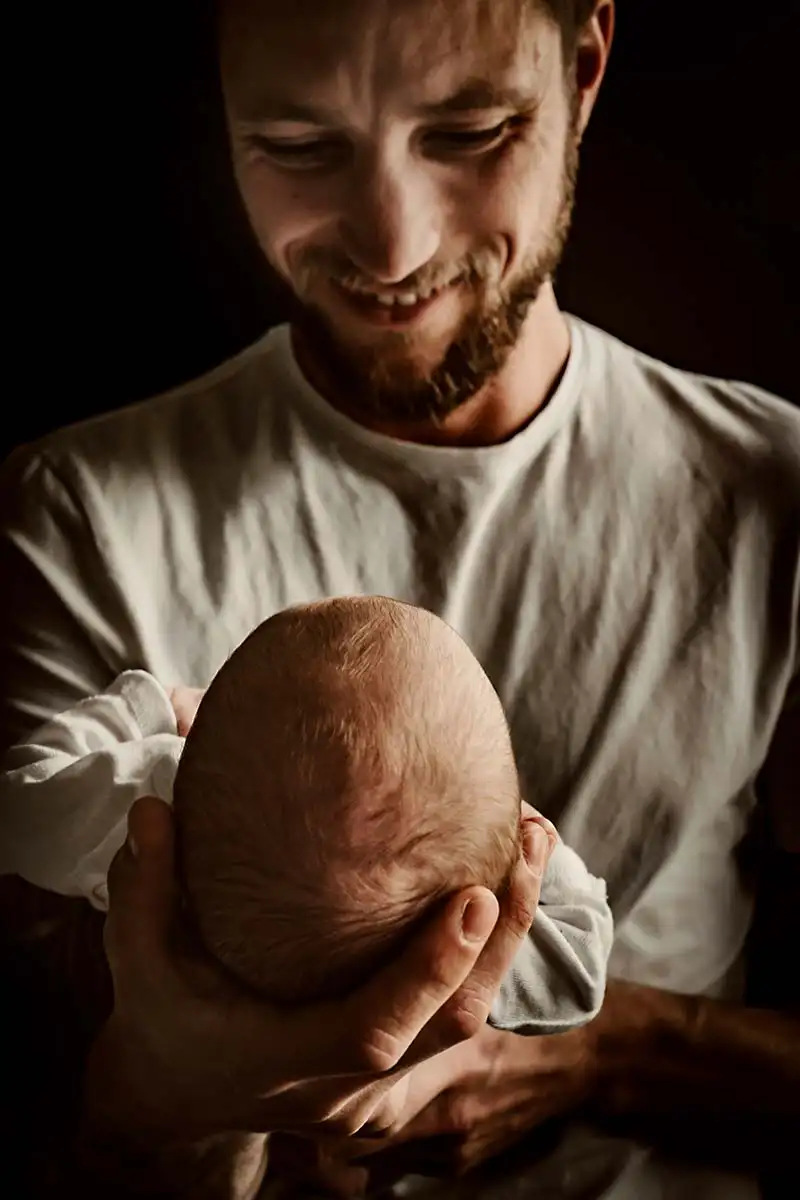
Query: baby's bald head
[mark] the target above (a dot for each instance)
(349, 766)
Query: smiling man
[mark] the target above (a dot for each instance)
(616, 540)
(415, 199)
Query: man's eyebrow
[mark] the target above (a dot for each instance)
(474, 96)
(477, 94)
(267, 107)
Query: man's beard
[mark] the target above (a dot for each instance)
(387, 384)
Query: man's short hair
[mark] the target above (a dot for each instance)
(570, 16)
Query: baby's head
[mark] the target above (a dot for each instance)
(348, 768)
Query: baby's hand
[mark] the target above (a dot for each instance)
(185, 702)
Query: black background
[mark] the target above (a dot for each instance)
(133, 268)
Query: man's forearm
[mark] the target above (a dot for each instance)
(702, 1077)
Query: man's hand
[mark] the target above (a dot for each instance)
(478, 1099)
(186, 1054)
(654, 1066)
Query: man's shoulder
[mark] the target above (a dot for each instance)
(196, 420)
(725, 429)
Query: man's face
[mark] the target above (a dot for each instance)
(408, 168)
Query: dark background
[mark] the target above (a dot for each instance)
(136, 268)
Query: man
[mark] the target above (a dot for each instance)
(618, 542)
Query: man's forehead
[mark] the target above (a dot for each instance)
(430, 50)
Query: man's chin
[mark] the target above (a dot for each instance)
(385, 376)
(380, 353)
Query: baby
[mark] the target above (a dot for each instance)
(348, 767)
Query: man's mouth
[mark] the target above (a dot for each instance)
(392, 307)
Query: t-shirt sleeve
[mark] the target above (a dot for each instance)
(66, 633)
(65, 793)
(558, 979)
(64, 627)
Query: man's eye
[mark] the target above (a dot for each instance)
(453, 141)
(312, 153)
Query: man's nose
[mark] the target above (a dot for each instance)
(392, 226)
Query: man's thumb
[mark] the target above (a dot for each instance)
(142, 893)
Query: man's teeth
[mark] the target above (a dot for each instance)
(389, 299)
(406, 298)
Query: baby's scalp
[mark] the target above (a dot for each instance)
(349, 766)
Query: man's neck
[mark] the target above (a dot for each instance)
(504, 407)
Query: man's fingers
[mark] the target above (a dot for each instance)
(460, 1012)
(142, 894)
(432, 1121)
(410, 992)
(529, 813)
(364, 1037)
(376, 1025)
(469, 1007)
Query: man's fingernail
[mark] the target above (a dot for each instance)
(537, 844)
(477, 921)
(133, 846)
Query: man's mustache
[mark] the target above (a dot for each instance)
(477, 268)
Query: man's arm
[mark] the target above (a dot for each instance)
(65, 629)
(65, 634)
(711, 1081)
(705, 1081)
(714, 1080)
(78, 775)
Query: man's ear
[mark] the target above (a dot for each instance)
(591, 58)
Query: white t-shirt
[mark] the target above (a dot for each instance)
(626, 569)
